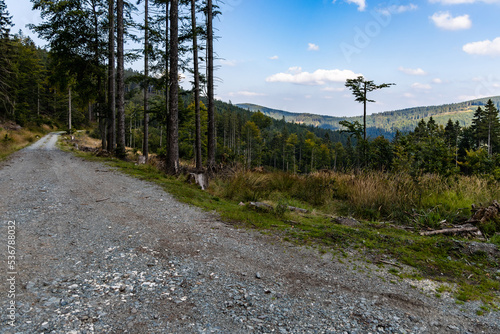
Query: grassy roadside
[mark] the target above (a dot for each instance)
(474, 276)
(14, 138)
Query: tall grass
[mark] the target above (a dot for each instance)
(426, 199)
(13, 140)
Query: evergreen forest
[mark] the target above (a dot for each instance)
(79, 81)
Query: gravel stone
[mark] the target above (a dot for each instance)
(141, 262)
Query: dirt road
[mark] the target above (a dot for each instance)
(99, 252)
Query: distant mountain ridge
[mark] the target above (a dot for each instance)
(385, 123)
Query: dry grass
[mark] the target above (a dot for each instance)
(371, 195)
(12, 140)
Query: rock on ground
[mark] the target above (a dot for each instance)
(101, 252)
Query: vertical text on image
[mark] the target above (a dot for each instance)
(11, 271)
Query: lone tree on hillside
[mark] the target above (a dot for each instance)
(360, 88)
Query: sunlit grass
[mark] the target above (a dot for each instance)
(14, 140)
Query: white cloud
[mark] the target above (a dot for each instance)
(459, 2)
(295, 70)
(274, 58)
(333, 89)
(411, 71)
(484, 48)
(409, 95)
(444, 20)
(420, 86)
(361, 4)
(397, 9)
(471, 97)
(313, 47)
(230, 63)
(319, 77)
(246, 93)
(437, 81)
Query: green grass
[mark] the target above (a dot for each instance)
(436, 257)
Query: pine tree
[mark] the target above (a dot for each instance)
(5, 21)
(120, 81)
(173, 119)
(196, 87)
(492, 124)
(76, 32)
(360, 88)
(210, 88)
(478, 127)
(145, 145)
(111, 78)
(6, 75)
(451, 132)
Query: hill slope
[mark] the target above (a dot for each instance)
(385, 123)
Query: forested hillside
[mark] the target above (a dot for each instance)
(80, 80)
(386, 123)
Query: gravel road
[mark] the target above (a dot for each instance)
(100, 252)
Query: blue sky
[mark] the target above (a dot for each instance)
(296, 54)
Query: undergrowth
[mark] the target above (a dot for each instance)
(14, 140)
(421, 202)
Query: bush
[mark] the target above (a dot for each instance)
(281, 208)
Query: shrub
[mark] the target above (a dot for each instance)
(281, 208)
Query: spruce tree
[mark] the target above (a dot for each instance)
(492, 127)
(5, 62)
(478, 127)
(210, 88)
(5, 21)
(194, 28)
(173, 117)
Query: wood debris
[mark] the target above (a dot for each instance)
(468, 228)
(485, 214)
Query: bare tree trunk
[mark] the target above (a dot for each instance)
(145, 148)
(196, 88)
(101, 99)
(167, 81)
(111, 79)
(90, 112)
(210, 88)
(489, 135)
(120, 143)
(38, 100)
(69, 108)
(364, 113)
(173, 120)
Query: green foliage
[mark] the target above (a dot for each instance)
(7, 138)
(495, 239)
(386, 123)
(281, 208)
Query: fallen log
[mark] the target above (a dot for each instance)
(260, 205)
(293, 208)
(467, 229)
(390, 263)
